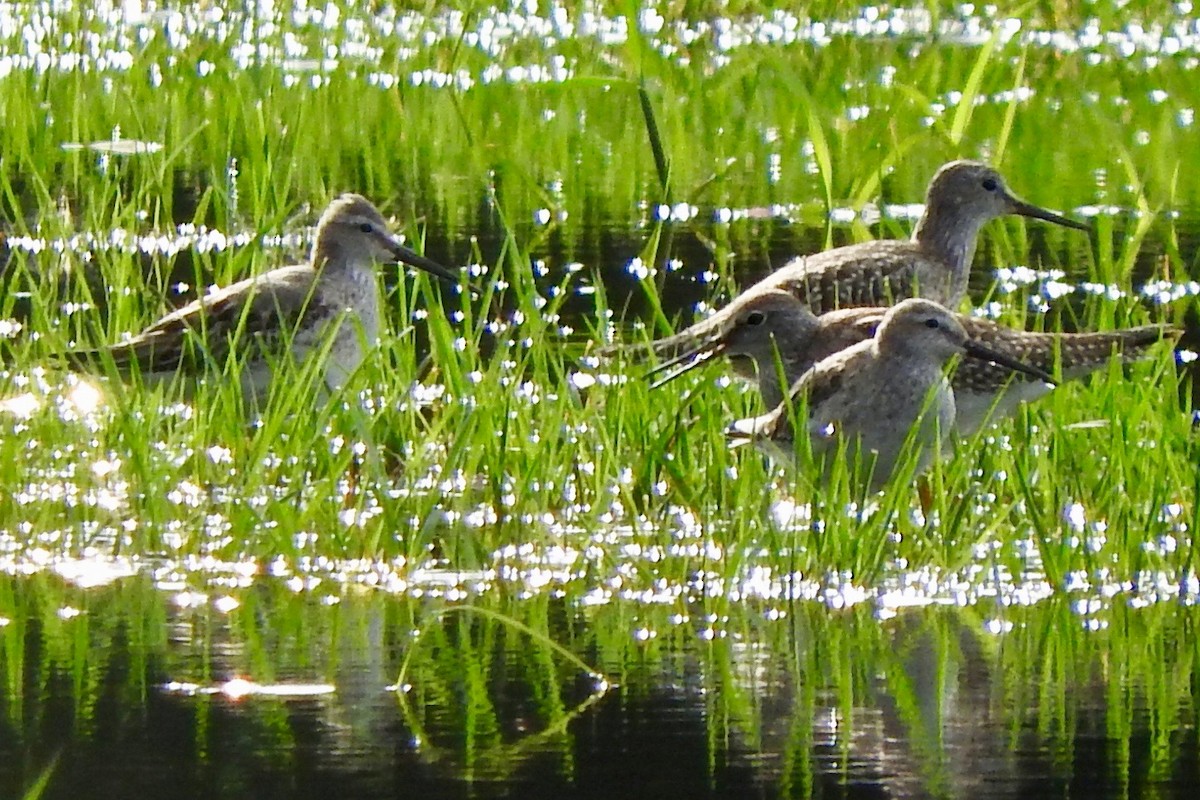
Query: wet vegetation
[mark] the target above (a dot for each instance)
(489, 499)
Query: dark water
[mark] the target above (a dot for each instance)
(819, 703)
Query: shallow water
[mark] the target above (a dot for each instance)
(196, 667)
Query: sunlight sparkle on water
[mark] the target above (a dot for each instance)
(239, 688)
(370, 44)
(95, 570)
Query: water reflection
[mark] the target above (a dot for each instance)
(296, 39)
(806, 702)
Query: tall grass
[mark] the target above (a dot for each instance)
(483, 436)
(510, 429)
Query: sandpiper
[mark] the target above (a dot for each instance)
(284, 313)
(935, 263)
(879, 394)
(772, 339)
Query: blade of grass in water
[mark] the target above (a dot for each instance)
(971, 89)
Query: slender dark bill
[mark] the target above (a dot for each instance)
(683, 364)
(415, 259)
(984, 353)
(1030, 210)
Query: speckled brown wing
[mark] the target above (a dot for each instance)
(816, 387)
(821, 385)
(1072, 355)
(877, 273)
(262, 310)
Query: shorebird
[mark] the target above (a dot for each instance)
(935, 263)
(330, 304)
(772, 338)
(879, 395)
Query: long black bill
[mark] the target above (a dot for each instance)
(683, 363)
(414, 259)
(1030, 210)
(983, 353)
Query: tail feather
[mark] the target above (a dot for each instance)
(1082, 354)
(749, 429)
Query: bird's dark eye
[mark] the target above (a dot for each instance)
(755, 318)
(366, 227)
(989, 184)
(931, 323)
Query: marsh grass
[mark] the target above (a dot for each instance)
(485, 443)
(483, 428)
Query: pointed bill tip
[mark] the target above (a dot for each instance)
(1025, 209)
(406, 255)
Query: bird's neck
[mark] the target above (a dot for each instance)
(949, 237)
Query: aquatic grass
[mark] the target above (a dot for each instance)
(1055, 647)
(1010, 113)
(461, 464)
(970, 91)
(1144, 218)
(661, 164)
(820, 149)
(666, 448)
(516, 625)
(40, 784)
